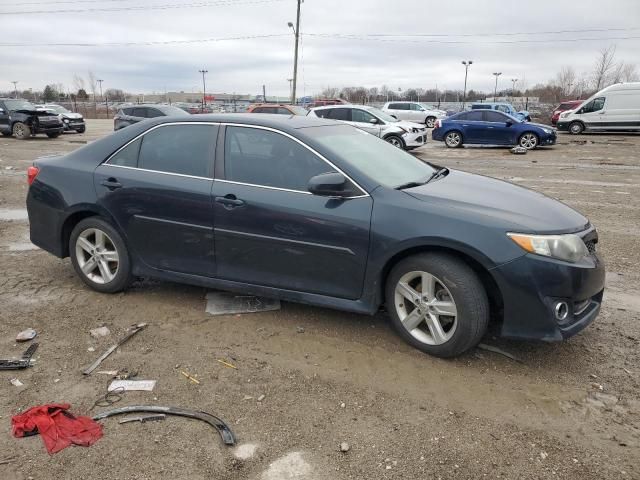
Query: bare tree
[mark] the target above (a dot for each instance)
(604, 66)
(566, 79)
(624, 72)
(78, 82)
(93, 84)
(329, 92)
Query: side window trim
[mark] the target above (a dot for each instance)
(214, 151)
(304, 145)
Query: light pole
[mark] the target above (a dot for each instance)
(513, 88)
(204, 88)
(290, 80)
(15, 87)
(296, 32)
(467, 64)
(495, 90)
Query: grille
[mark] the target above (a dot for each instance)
(591, 246)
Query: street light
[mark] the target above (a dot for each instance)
(15, 87)
(466, 64)
(495, 90)
(513, 88)
(296, 32)
(204, 88)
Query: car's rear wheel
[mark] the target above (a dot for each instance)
(453, 139)
(528, 140)
(576, 128)
(53, 135)
(437, 304)
(21, 130)
(395, 141)
(100, 256)
(430, 122)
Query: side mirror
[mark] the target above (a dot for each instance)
(329, 185)
(373, 121)
(1, 110)
(509, 123)
(394, 117)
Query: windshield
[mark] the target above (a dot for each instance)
(385, 117)
(373, 157)
(19, 105)
(57, 109)
(298, 110)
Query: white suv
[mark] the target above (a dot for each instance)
(414, 112)
(401, 134)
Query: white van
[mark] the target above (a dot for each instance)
(615, 108)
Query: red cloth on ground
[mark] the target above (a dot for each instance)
(57, 427)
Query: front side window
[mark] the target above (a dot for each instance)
(403, 106)
(361, 116)
(417, 108)
(594, 105)
(502, 108)
(184, 149)
(265, 158)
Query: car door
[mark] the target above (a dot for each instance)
(365, 121)
(271, 231)
(593, 114)
(498, 131)
(5, 126)
(474, 128)
(158, 190)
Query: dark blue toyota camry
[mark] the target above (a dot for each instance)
(490, 127)
(308, 210)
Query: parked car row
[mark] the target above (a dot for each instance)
(70, 120)
(22, 119)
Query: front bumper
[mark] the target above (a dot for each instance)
(74, 124)
(532, 286)
(48, 127)
(413, 140)
(549, 139)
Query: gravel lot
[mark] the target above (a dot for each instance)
(569, 410)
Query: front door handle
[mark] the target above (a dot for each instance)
(111, 183)
(230, 201)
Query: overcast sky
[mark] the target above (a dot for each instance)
(348, 56)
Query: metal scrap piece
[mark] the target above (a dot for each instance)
(223, 429)
(22, 362)
(144, 418)
(132, 331)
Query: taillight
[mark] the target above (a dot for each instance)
(32, 173)
(438, 124)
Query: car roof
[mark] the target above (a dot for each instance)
(280, 122)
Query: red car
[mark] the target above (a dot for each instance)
(563, 107)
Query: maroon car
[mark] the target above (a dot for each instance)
(563, 107)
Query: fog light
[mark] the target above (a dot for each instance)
(561, 310)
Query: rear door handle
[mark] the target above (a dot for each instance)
(111, 183)
(230, 201)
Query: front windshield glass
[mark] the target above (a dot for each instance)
(19, 105)
(373, 157)
(57, 109)
(385, 117)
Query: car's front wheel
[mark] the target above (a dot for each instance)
(576, 128)
(21, 130)
(437, 304)
(528, 140)
(430, 122)
(395, 141)
(453, 139)
(99, 255)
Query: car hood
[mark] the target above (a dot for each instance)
(540, 125)
(405, 124)
(510, 206)
(71, 115)
(34, 112)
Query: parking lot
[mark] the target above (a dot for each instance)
(566, 410)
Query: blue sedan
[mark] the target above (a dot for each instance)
(488, 127)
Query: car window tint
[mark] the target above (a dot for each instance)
(139, 112)
(492, 116)
(185, 149)
(340, 114)
(502, 108)
(127, 111)
(475, 116)
(262, 157)
(153, 112)
(323, 113)
(259, 110)
(481, 107)
(358, 115)
(393, 106)
(598, 104)
(283, 111)
(404, 106)
(415, 107)
(128, 156)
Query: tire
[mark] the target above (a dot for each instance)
(396, 141)
(53, 135)
(576, 128)
(21, 131)
(85, 242)
(454, 288)
(529, 140)
(81, 129)
(430, 122)
(453, 139)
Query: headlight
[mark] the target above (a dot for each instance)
(564, 115)
(404, 129)
(547, 130)
(66, 120)
(568, 247)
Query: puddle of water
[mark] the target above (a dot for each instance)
(13, 214)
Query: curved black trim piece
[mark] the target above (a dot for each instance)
(225, 432)
(286, 240)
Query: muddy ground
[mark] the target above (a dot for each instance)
(569, 410)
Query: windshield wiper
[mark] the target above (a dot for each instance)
(441, 171)
(409, 185)
(438, 173)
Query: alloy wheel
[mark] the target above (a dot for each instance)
(529, 141)
(426, 308)
(453, 139)
(97, 256)
(395, 142)
(575, 128)
(430, 122)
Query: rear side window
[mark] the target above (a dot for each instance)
(127, 111)
(339, 114)
(154, 112)
(265, 158)
(283, 111)
(128, 156)
(474, 117)
(139, 112)
(393, 106)
(184, 149)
